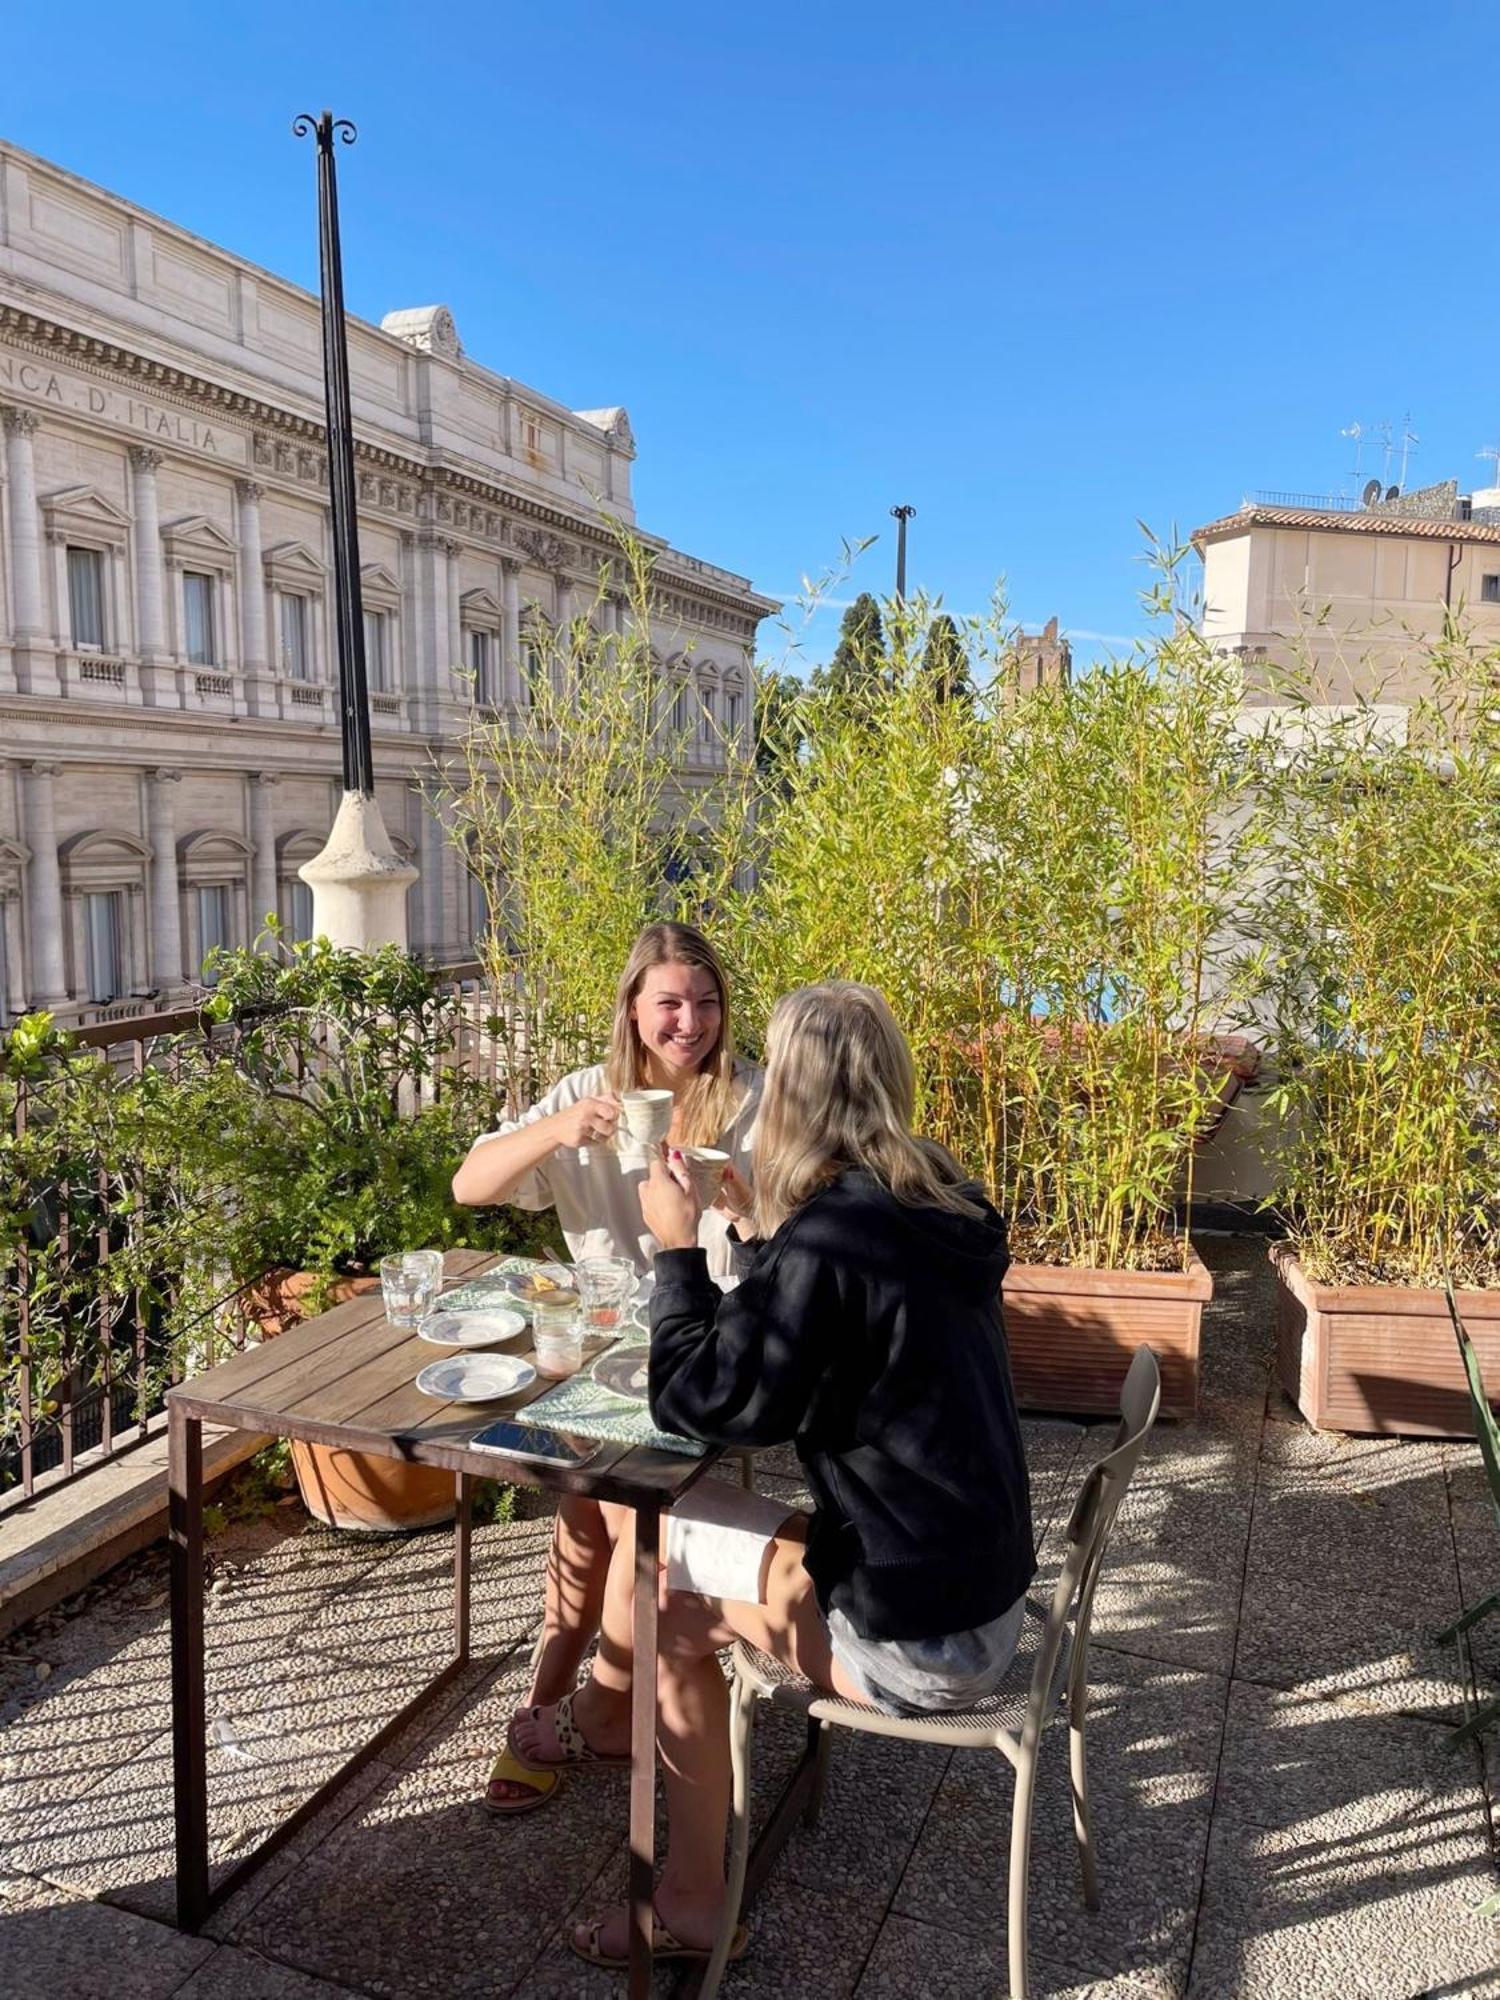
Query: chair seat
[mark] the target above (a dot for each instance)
(997, 1719)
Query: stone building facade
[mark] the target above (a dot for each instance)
(169, 742)
(1355, 593)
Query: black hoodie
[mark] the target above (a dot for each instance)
(868, 1332)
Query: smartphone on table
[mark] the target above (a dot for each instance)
(535, 1443)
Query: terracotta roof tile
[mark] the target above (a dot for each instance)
(1348, 524)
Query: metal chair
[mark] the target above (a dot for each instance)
(1048, 1676)
(1487, 1432)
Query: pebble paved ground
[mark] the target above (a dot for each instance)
(1277, 1811)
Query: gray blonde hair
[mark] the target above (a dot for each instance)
(841, 1092)
(715, 1093)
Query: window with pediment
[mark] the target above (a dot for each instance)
(200, 562)
(482, 623)
(297, 580)
(88, 534)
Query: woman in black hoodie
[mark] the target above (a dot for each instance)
(867, 1331)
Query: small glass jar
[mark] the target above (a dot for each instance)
(557, 1335)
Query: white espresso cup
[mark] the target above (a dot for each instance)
(646, 1118)
(705, 1165)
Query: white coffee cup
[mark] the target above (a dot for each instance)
(646, 1116)
(706, 1165)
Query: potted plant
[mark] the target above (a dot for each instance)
(343, 1153)
(1386, 904)
(1044, 881)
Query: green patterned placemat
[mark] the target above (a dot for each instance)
(486, 1292)
(583, 1405)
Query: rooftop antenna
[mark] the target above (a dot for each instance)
(1492, 453)
(1387, 444)
(1357, 432)
(1409, 443)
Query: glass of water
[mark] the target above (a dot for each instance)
(410, 1282)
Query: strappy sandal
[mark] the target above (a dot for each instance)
(663, 1945)
(576, 1754)
(535, 1786)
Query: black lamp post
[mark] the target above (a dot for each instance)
(902, 515)
(354, 697)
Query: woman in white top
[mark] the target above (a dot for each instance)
(671, 1032)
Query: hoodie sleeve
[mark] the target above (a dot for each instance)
(741, 1368)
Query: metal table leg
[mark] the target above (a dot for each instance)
(189, 1746)
(195, 1899)
(643, 1747)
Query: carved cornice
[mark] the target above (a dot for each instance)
(292, 445)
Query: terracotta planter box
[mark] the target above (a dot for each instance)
(350, 1489)
(1379, 1358)
(1074, 1333)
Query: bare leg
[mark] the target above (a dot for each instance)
(601, 1707)
(693, 1730)
(577, 1567)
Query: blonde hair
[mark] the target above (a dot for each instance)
(840, 1092)
(714, 1094)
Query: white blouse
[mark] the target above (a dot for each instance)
(596, 1191)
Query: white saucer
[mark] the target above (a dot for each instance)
(624, 1370)
(471, 1329)
(475, 1378)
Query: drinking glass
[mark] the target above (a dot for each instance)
(557, 1335)
(604, 1286)
(410, 1282)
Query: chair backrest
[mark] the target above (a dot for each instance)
(1486, 1429)
(1089, 1525)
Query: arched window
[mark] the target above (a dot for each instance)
(213, 870)
(103, 881)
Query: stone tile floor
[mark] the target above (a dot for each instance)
(1277, 1811)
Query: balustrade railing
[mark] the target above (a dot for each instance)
(90, 1339)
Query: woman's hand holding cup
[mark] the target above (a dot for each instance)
(589, 1122)
(669, 1205)
(736, 1197)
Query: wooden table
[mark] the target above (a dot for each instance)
(347, 1378)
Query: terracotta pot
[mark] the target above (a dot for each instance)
(1379, 1359)
(350, 1489)
(1074, 1333)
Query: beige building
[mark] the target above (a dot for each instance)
(169, 742)
(1359, 590)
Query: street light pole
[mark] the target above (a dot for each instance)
(354, 698)
(901, 515)
(359, 881)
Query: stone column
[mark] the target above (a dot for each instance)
(25, 528)
(15, 972)
(452, 550)
(251, 581)
(263, 883)
(49, 974)
(511, 688)
(166, 905)
(150, 599)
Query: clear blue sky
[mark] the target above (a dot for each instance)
(1040, 270)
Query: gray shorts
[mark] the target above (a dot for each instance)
(928, 1676)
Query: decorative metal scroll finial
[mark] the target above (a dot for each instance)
(901, 516)
(349, 623)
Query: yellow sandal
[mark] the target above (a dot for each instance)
(536, 1787)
